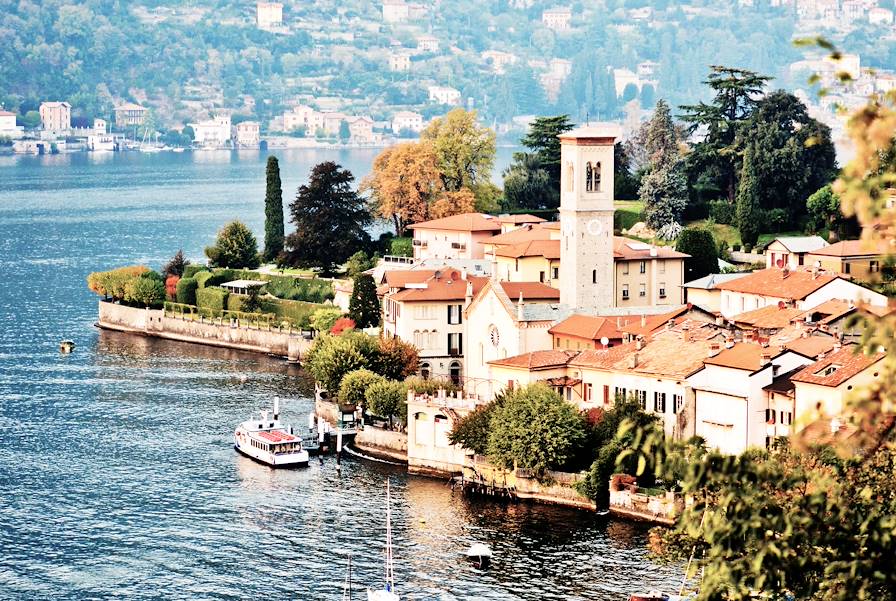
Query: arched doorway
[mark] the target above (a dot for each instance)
(454, 371)
(425, 370)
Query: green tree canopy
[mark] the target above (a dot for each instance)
(465, 152)
(235, 247)
(354, 385)
(323, 319)
(472, 430)
(748, 213)
(273, 211)
(701, 245)
(330, 219)
(388, 399)
(364, 305)
(330, 358)
(823, 207)
(532, 180)
(664, 187)
(536, 429)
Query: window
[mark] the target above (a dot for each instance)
(801, 258)
(642, 290)
(597, 178)
(786, 418)
(662, 289)
(570, 179)
(587, 392)
(455, 344)
(569, 393)
(643, 267)
(541, 277)
(641, 395)
(455, 314)
(661, 266)
(770, 416)
(678, 401)
(555, 273)
(625, 292)
(846, 268)
(625, 268)
(593, 276)
(830, 369)
(874, 266)
(659, 402)
(620, 394)
(424, 370)
(588, 172)
(424, 312)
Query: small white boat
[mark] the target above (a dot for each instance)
(387, 593)
(479, 554)
(269, 441)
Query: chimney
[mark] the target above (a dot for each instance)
(653, 251)
(519, 308)
(633, 360)
(714, 349)
(644, 321)
(670, 324)
(765, 359)
(639, 343)
(463, 273)
(468, 297)
(837, 346)
(784, 273)
(729, 343)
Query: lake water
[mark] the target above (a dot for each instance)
(117, 474)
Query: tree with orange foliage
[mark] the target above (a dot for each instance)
(453, 203)
(402, 184)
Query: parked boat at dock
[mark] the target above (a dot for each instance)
(267, 440)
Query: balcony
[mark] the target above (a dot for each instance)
(455, 352)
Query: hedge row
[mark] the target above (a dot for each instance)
(213, 298)
(186, 291)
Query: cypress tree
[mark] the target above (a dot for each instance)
(364, 306)
(748, 213)
(273, 212)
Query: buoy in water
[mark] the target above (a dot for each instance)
(480, 555)
(66, 346)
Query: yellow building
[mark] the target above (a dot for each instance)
(858, 259)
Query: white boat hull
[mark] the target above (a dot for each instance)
(293, 459)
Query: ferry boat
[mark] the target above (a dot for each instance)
(267, 440)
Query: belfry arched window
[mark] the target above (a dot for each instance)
(596, 178)
(588, 174)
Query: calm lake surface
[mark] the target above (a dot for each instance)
(117, 474)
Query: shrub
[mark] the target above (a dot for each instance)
(721, 211)
(354, 386)
(288, 288)
(297, 312)
(343, 324)
(402, 247)
(472, 430)
(235, 247)
(145, 291)
(149, 274)
(330, 358)
(323, 319)
(701, 245)
(388, 399)
(191, 270)
(214, 298)
(535, 429)
(186, 291)
(171, 286)
(397, 359)
(176, 265)
(112, 283)
(202, 279)
(431, 386)
(357, 264)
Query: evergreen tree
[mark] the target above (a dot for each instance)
(736, 92)
(176, 265)
(345, 132)
(664, 188)
(364, 306)
(533, 179)
(273, 212)
(748, 214)
(235, 247)
(700, 244)
(330, 219)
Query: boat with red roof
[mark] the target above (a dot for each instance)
(268, 440)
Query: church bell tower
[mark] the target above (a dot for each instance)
(586, 218)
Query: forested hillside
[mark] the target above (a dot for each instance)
(183, 58)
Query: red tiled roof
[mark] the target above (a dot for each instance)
(549, 249)
(651, 323)
(855, 248)
(402, 277)
(797, 285)
(537, 360)
(448, 286)
(633, 250)
(811, 346)
(524, 218)
(665, 355)
(6, 113)
(850, 361)
(831, 310)
(742, 355)
(467, 222)
(770, 317)
(589, 327)
(530, 291)
(526, 233)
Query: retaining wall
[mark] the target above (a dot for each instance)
(154, 322)
(383, 443)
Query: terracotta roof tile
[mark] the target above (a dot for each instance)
(537, 360)
(549, 249)
(467, 222)
(847, 362)
(446, 287)
(666, 356)
(811, 346)
(855, 248)
(650, 323)
(742, 355)
(776, 283)
(526, 233)
(633, 250)
(524, 218)
(402, 277)
(770, 317)
(828, 311)
(530, 291)
(589, 327)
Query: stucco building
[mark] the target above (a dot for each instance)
(56, 117)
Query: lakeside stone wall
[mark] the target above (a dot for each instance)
(386, 444)
(154, 322)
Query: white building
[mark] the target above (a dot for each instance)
(880, 16)
(8, 127)
(498, 60)
(247, 134)
(791, 252)
(99, 140)
(395, 11)
(427, 43)
(302, 116)
(558, 18)
(407, 121)
(212, 133)
(268, 14)
(586, 218)
(399, 62)
(361, 129)
(56, 117)
(444, 95)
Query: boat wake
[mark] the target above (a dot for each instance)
(359, 455)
